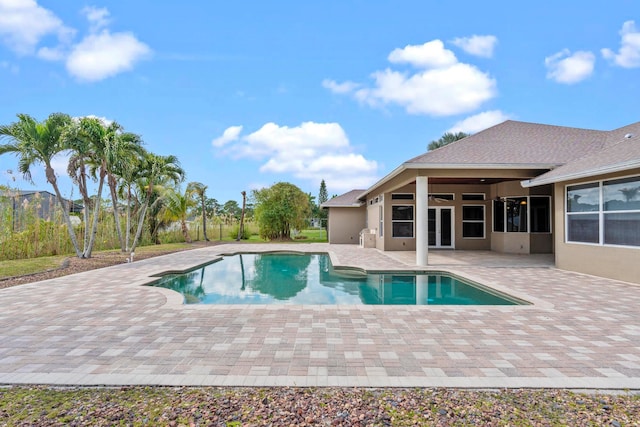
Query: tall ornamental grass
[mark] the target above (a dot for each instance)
(34, 228)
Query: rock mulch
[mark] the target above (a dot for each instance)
(74, 265)
(284, 406)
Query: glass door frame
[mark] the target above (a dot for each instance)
(438, 230)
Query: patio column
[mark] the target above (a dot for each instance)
(422, 220)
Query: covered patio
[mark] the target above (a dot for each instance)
(440, 258)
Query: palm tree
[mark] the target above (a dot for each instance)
(130, 188)
(122, 156)
(176, 208)
(445, 139)
(200, 189)
(154, 169)
(90, 139)
(38, 142)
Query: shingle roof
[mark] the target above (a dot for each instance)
(621, 152)
(346, 200)
(517, 143)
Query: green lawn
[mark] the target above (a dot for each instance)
(21, 267)
(316, 235)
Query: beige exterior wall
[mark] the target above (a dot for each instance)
(345, 225)
(511, 243)
(621, 263)
(398, 243)
(373, 222)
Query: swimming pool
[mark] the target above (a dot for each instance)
(276, 278)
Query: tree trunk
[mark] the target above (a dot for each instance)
(185, 231)
(139, 230)
(84, 192)
(204, 221)
(128, 224)
(111, 182)
(143, 214)
(244, 205)
(96, 213)
(51, 178)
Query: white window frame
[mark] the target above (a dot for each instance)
(435, 195)
(528, 198)
(413, 222)
(484, 197)
(475, 221)
(600, 212)
(413, 196)
(381, 219)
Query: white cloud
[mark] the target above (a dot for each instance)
(230, 134)
(51, 53)
(98, 17)
(104, 55)
(102, 119)
(335, 87)
(477, 45)
(101, 54)
(567, 68)
(60, 163)
(479, 122)
(23, 23)
(429, 55)
(439, 92)
(311, 152)
(629, 54)
(443, 86)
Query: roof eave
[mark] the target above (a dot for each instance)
(413, 166)
(481, 165)
(353, 205)
(620, 167)
(384, 180)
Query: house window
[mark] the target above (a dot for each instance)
(473, 221)
(604, 212)
(522, 214)
(381, 216)
(402, 196)
(447, 196)
(402, 221)
(540, 210)
(517, 214)
(583, 206)
(473, 196)
(498, 216)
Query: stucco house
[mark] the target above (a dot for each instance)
(516, 187)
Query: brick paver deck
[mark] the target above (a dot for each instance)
(104, 328)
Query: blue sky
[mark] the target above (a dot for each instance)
(250, 93)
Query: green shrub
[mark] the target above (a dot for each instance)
(246, 233)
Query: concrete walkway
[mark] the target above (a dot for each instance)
(104, 328)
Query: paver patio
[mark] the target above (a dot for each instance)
(103, 327)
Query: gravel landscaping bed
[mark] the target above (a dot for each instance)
(74, 265)
(180, 406)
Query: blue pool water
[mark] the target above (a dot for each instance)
(310, 279)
